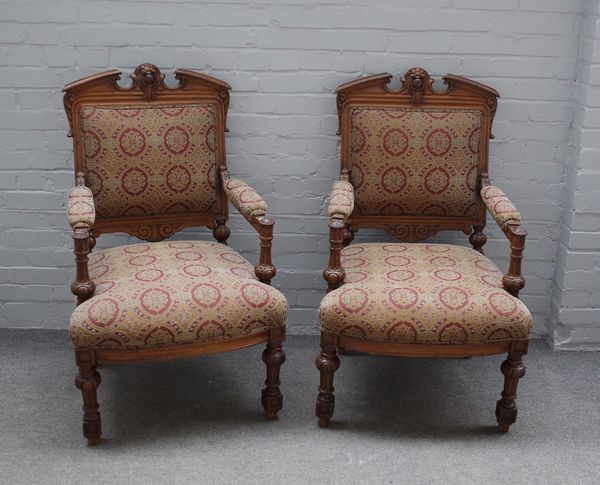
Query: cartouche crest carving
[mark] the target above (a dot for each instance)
(417, 82)
(147, 77)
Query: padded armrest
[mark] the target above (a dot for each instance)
(341, 203)
(80, 207)
(245, 198)
(499, 206)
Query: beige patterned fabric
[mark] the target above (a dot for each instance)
(150, 161)
(499, 206)
(415, 161)
(80, 207)
(422, 293)
(341, 202)
(168, 293)
(245, 198)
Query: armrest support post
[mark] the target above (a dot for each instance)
(335, 274)
(265, 270)
(81, 215)
(513, 281)
(83, 287)
(508, 218)
(254, 209)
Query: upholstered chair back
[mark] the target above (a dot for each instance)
(415, 157)
(151, 160)
(407, 161)
(150, 153)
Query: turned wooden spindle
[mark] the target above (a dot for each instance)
(478, 238)
(348, 235)
(513, 370)
(327, 362)
(83, 287)
(87, 381)
(334, 273)
(221, 232)
(264, 270)
(513, 281)
(273, 357)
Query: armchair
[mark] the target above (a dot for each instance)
(414, 162)
(150, 161)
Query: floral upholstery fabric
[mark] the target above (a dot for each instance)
(167, 293)
(341, 202)
(80, 207)
(245, 198)
(499, 206)
(422, 293)
(150, 161)
(408, 161)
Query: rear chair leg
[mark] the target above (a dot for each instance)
(478, 238)
(87, 381)
(221, 232)
(327, 363)
(273, 356)
(506, 408)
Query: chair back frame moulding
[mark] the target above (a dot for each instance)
(416, 92)
(148, 90)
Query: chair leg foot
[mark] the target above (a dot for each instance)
(327, 362)
(87, 381)
(273, 357)
(506, 408)
(324, 421)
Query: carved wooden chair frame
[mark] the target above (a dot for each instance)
(417, 90)
(148, 88)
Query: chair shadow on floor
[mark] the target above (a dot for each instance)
(194, 396)
(417, 398)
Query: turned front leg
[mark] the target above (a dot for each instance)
(273, 357)
(87, 381)
(506, 408)
(327, 363)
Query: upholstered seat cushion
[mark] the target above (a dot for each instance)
(422, 293)
(167, 293)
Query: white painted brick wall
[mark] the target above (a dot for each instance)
(284, 60)
(575, 316)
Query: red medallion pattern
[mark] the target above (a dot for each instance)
(500, 206)
(411, 161)
(341, 202)
(80, 207)
(245, 199)
(427, 293)
(156, 294)
(150, 161)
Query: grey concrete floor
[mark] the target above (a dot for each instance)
(199, 420)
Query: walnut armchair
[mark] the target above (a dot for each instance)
(414, 162)
(150, 161)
